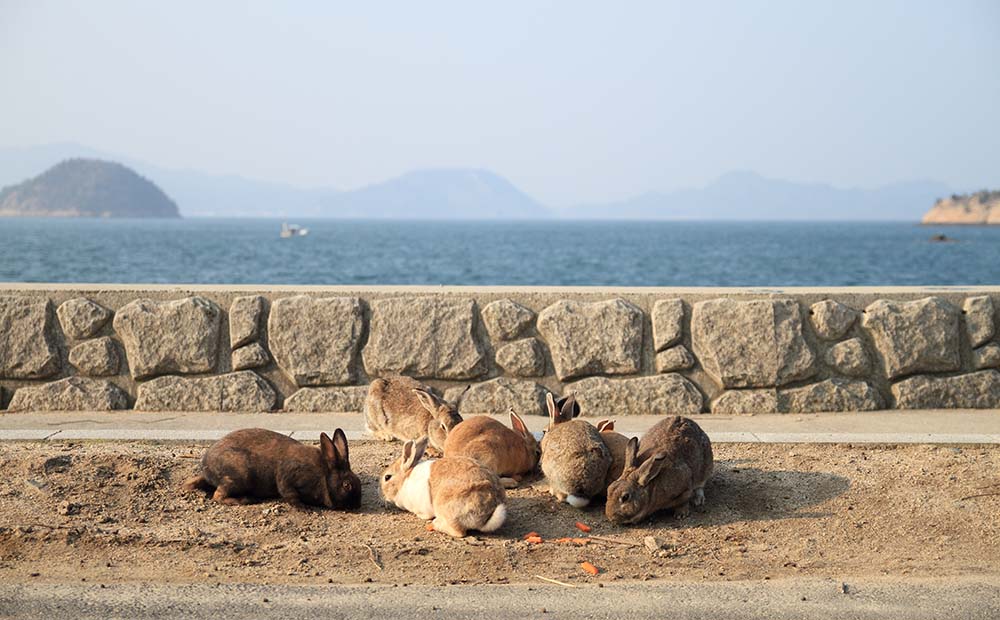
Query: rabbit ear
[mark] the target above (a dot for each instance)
(517, 423)
(326, 449)
(631, 452)
(342, 460)
(569, 409)
(605, 425)
(426, 399)
(550, 404)
(651, 468)
(412, 453)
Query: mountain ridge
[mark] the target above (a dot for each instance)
(476, 193)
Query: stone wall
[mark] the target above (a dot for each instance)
(621, 351)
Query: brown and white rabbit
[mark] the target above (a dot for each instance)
(457, 492)
(575, 459)
(667, 469)
(255, 463)
(402, 408)
(510, 452)
(616, 443)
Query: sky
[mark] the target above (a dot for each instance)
(572, 101)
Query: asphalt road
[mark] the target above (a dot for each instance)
(951, 599)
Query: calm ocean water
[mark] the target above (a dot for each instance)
(516, 253)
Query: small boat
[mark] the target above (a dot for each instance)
(292, 230)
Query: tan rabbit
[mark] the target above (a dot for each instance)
(616, 443)
(667, 469)
(402, 408)
(575, 459)
(457, 492)
(510, 452)
(256, 463)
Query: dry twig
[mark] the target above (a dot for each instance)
(373, 556)
(558, 583)
(627, 543)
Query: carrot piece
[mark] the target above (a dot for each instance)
(534, 539)
(581, 541)
(429, 527)
(530, 535)
(590, 568)
(563, 540)
(583, 527)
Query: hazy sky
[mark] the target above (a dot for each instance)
(573, 101)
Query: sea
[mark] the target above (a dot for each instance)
(552, 253)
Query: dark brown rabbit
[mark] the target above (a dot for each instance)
(667, 469)
(255, 463)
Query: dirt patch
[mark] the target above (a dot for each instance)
(113, 512)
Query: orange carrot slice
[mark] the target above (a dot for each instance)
(534, 539)
(583, 527)
(590, 568)
(581, 541)
(530, 535)
(429, 527)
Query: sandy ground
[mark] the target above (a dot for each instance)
(106, 513)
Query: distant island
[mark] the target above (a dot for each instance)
(87, 188)
(977, 209)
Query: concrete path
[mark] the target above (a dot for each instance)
(952, 599)
(930, 426)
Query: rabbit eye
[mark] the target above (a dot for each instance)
(625, 497)
(388, 477)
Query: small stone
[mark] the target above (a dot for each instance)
(915, 336)
(674, 359)
(69, 508)
(669, 394)
(986, 357)
(593, 338)
(506, 319)
(497, 396)
(652, 543)
(734, 402)
(160, 337)
(979, 319)
(250, 356)
(849, 358)
(976, 390)
(237, 391)
(424, 337)
(522, 358)
(668, 322)
(315, 341)
(27, 346)
(70, 394)
(96, 358)
(830, 395)
(245, 318)
(82, 318)
(349, 399)
(832, 319)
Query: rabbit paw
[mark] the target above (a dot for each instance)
(682, 512)
(441, 525)
(699, 496)
(509, 483)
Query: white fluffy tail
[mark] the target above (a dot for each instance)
(496, 521)
(577, 502)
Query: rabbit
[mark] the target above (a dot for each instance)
(575, 459)
(402, 408)
(510, 452)
(456, 491)
(255, 463)
(616, 443)
(669, 471)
